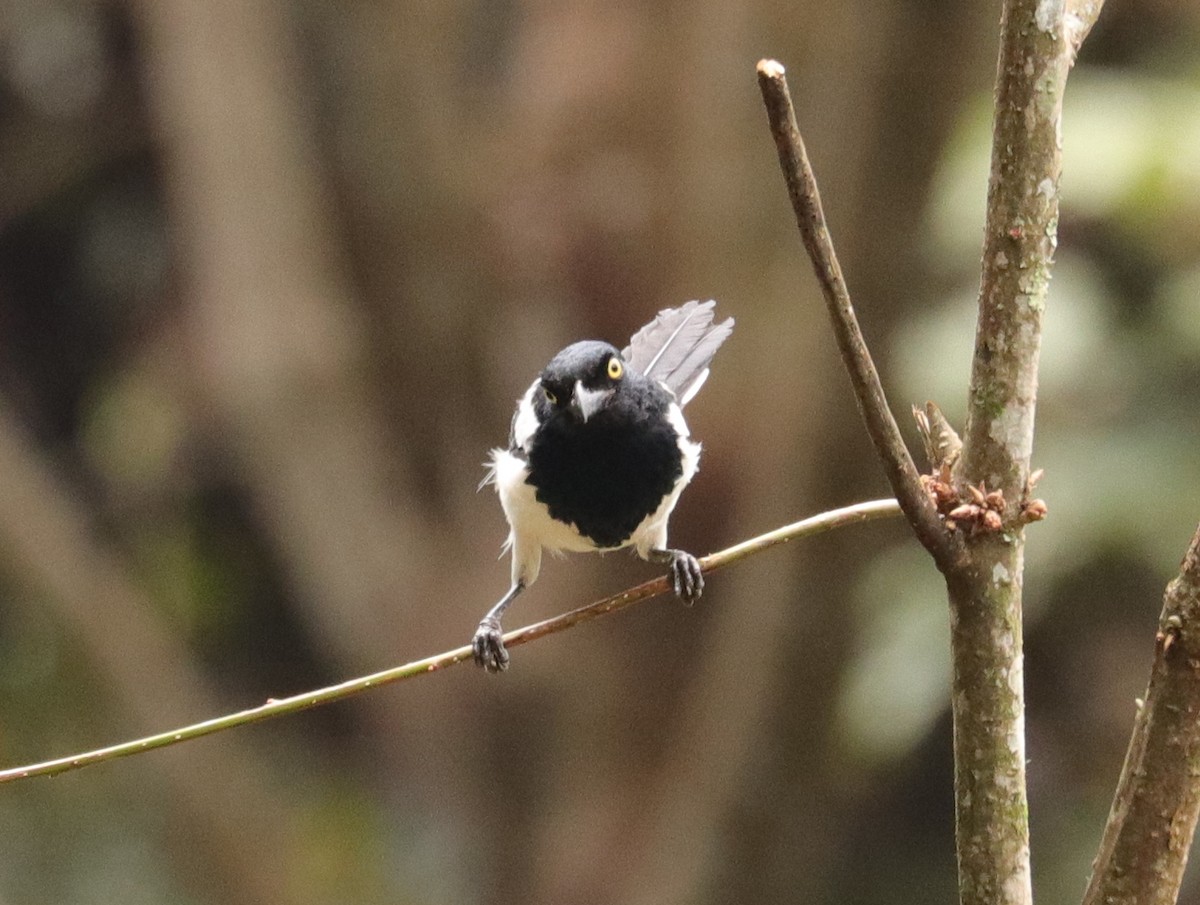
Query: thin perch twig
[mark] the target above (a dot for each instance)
(817, 524)
(872, 403)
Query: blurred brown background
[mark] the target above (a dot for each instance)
(273, 273)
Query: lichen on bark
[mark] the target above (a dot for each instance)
(1037, 47)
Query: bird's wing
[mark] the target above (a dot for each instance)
(677, 346)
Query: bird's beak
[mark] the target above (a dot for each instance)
(585, 403)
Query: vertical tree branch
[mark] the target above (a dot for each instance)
(1153, 818)
(1038, 41)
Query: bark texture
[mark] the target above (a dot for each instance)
(1038, 41)
(1145, 846)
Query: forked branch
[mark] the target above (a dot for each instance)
(983, 565)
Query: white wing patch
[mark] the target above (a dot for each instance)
(525, 423)
(530, 526)
(651, 534)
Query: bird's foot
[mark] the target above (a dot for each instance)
(488, 645)
(686, 577)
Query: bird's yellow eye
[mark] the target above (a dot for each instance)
(550, 397)
(615, 368)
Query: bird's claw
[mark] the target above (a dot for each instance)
(488, 645)
(686, 577)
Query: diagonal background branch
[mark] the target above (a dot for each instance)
(219, 793)
(1153, 819)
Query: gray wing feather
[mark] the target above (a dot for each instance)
(677, 346)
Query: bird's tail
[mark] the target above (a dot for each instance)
(677, 346)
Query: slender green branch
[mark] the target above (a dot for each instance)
(817, 524)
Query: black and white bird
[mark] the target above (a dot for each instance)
(598, 454)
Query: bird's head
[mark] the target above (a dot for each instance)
(581, 379)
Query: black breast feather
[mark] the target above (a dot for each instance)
(605, 476)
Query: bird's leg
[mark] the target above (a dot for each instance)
(488, 643)
(686, 576)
